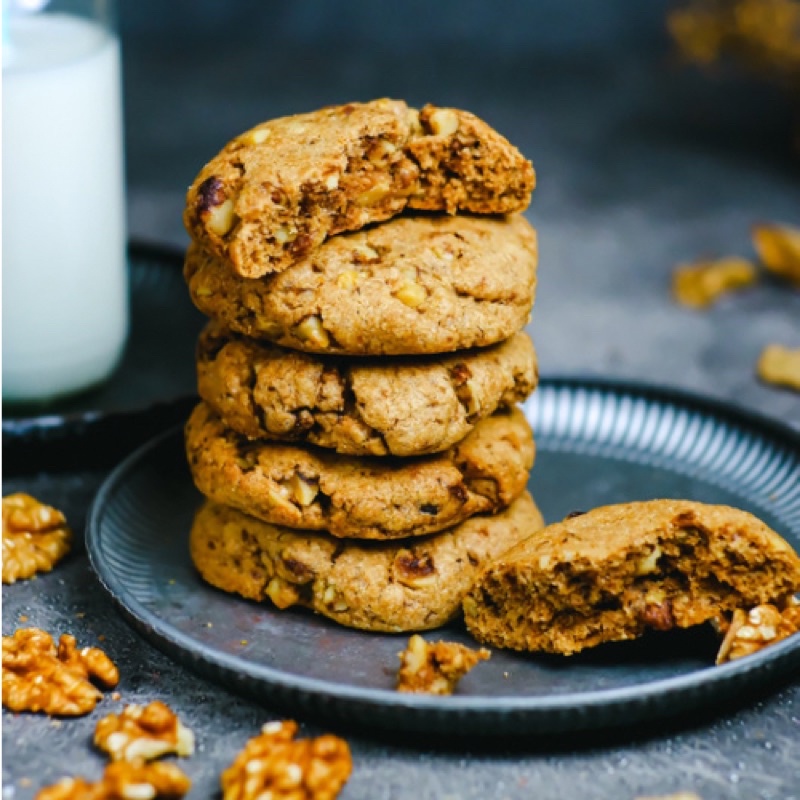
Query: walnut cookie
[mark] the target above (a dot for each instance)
(378, 586)
(365, 498)
(411, 286)
(276, 192)
(613, 572)
(402, 407)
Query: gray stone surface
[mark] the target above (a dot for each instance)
(640, 165)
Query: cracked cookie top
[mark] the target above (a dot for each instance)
(403, 406)
(414, 285)
(365, 498)
(275, 193)
(378, 586)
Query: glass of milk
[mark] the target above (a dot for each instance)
(64, 270)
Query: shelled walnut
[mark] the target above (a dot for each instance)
(123, 780)
(762, 626)
(280, 767)
(435, 667)
(143, 732)
(35, 537)
(37, 676)
(700, 284)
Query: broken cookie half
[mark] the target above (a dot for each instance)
(612, 573)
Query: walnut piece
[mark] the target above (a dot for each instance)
(37, 676)
(123, 780)
(435, 667)
(780, 366)
(277, 766)
(35, 537)
(762, 626)
(143, 732)
(700, 284)
(778, 247)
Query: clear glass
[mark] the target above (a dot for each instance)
(64, 270)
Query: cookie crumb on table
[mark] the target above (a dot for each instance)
(435, 667)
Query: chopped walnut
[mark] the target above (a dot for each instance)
(143, 732)
(35, 537)
(762, 626)
(778, 247)
(123, 780)
(435, 667)
(780, 366)
(275, 765)
(701, 283)
(37, 676)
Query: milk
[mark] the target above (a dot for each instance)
(65, 313)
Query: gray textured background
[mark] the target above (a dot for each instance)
(641, 163)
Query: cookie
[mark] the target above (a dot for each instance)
(611, 573)
(275, 193)
(412, 286)
(367, 498)
(400, 407)
(378, 586)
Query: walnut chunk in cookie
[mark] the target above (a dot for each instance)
(760, 627)
(35, 537)
(123, 780)
(435, 667)
(143, 732)
(276, 765)
(38, 676)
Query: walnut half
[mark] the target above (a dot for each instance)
(123, 780)
(760, 627)
(35, 537)
(37, 676)
(435, 667)
(143, 732)
(275, 765)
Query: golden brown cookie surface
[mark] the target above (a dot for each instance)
(381, 586)
(414, 285)
(613, 572)
(402, 407)
(279, 190)
(367, 498)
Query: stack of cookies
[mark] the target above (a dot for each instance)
(368, 274)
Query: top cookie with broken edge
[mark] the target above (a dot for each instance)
(279, 190)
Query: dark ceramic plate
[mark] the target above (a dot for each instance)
(153, 387)
(598, 443)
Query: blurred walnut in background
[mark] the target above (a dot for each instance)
(764, 35)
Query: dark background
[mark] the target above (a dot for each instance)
(642, 161)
